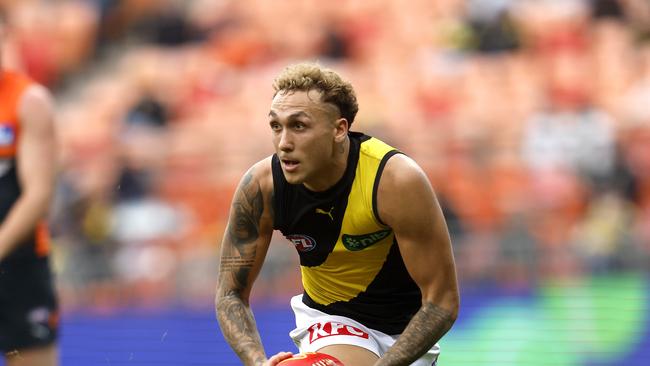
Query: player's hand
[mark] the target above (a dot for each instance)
(277, 358)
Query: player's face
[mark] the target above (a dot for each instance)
(304, 137)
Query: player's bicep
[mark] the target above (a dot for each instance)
(246, 239)
(407, 203)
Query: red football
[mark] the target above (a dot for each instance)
(311, 359)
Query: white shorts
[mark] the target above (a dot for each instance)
(315, 330)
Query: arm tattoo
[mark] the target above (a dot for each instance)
(237, 260)
(426, 328)
(248, 207)
(238, 252)
(239, 329)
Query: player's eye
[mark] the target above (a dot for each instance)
(275, 126)
(299, 126)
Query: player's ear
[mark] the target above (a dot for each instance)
(341, 127)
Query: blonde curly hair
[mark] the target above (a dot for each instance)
(311, 76)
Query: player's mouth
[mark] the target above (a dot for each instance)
(290, 165)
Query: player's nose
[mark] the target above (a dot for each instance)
(286, 141)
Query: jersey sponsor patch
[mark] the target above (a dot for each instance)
(7, 135)
(328, 329)
(359, 242)
(303, 243)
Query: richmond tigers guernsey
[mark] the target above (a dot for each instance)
(350, 261)
(12, 87)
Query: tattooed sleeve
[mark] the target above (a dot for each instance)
(238, 258)
(428, 325)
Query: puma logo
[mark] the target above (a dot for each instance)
(328, 213)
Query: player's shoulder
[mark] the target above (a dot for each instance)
(35, 95)
(402, 171)
(262, 173)
(36, 100)
(262, 169)
(404, 191)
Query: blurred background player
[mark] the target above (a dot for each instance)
(28, 306)
(377, 266)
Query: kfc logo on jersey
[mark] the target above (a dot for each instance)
(7, 135)
(303, 243)
(322, 330)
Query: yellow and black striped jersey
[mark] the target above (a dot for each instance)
(350, 260)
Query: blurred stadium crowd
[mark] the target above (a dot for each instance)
(531, 117)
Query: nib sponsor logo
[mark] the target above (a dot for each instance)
(322, 330)
(359, 242)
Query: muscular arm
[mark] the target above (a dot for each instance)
(407, 203)
(243, 249)
(36, 166)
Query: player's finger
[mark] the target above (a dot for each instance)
(278, 357)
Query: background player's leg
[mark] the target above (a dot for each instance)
(41, 356)
(350, 355)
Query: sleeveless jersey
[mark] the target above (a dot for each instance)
(12, 87)
(350, 261)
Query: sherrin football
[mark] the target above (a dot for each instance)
(311, 359)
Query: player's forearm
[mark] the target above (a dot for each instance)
(426, 328)
(239, 329)
(25, 214)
